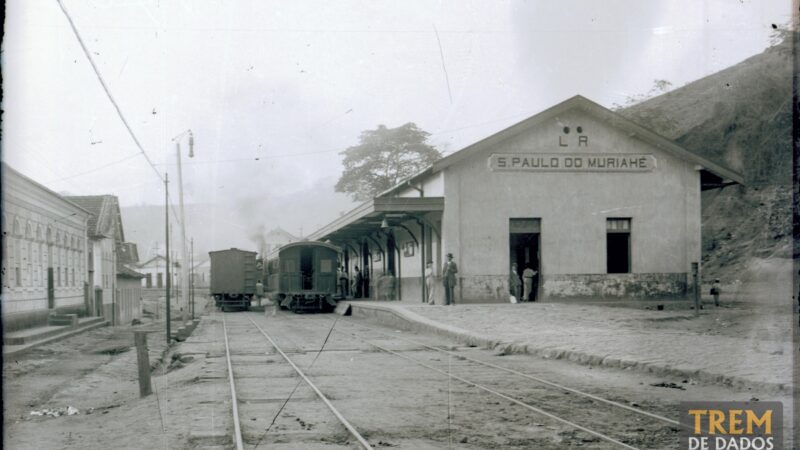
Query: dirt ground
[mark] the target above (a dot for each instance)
(400, 406)
(397, 404)
(94, 372)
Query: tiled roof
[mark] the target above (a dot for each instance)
(126, 272)
(105, 213)
(93, 204)
(173, 262)
(151, 260)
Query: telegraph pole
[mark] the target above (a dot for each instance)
(191, 256)
(184, 257)
(169, 276)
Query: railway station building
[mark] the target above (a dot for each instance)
(596, 205)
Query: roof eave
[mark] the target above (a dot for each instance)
(408, 180)
(596, 109)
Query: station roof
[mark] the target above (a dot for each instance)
(306, 243)
(710, 171)
(368, 216)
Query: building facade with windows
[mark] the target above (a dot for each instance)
(105, 237)
(154, 272)
(44, 253)
(129, 284)
(595, 205)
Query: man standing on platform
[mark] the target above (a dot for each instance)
(343, 282)
(449, 279)
(528, 275)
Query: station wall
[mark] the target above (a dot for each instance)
(663, 206)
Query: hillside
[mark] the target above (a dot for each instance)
(740, 117)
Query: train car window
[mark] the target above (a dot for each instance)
(325, 266)
(289, 265)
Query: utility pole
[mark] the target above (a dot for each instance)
(184, 255)
(192, 275)
(696, 287)
(169, 276)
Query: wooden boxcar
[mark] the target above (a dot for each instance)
(303, 276)
(233, 277)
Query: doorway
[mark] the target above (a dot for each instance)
(51, 292)
(391, 249)
(307, 268)
(524, 251)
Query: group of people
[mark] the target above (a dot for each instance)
(449, 272)
(523, 290)
(358, 287)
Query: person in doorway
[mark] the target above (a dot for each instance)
(449, 279)
(357, 282)
(429, 282)
(514, 284)
(527, 281)
(715, 291)
(342, 276)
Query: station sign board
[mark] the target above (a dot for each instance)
(575, 162)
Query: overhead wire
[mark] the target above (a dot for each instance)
(113, 102)
(69, 177)
(106, 89)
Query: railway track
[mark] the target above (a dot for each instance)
(505, 383)
(581, 416)
(537, 379)
(238, 439)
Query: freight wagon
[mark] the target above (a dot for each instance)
(233, 278)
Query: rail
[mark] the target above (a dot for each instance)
(533, 378)
(540, 411)
(237, 430)
(353, 432)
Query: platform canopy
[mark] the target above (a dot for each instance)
(370, 215)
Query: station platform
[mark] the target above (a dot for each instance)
(18, 342)
(729, 346)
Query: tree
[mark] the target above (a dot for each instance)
(383, 157)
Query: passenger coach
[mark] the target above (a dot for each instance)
(302, 278)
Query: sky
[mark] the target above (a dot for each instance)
(273, 91)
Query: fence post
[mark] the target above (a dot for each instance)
(143, 362)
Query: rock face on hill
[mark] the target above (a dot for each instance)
(740, 117)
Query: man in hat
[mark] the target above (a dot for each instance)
(449, 279)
